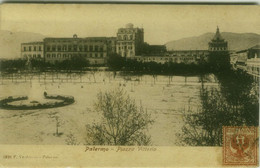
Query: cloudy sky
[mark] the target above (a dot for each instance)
(161, 23)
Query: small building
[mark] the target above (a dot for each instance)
(32, 50)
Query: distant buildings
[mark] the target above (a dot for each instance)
(177, 56)
(128, 43)
(248, 60)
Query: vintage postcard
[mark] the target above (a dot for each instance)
(129, 85)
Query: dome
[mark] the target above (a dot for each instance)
(129, 25)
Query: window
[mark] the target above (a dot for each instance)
(101, 48)
(53, 55)
(101, 55)
(48, 48)
(125, 37)
(70, 47)
(39, 56)
(30, 48)
(131, 37)
(48, 55)
(53, 48)
(40, 48)
(64, 55)
(64, 47)
(24, 48)
(34, 55)
(96, 55)
(85, 48)
(96, 48)
(90, 48)
(90, 54)
(75, 48)
(59, 48)
(80, 48)
(34, 48)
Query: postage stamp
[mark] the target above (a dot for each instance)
(240, 146)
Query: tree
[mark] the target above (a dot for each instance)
(232, 104)
(122, 123)
(219, 61)
(115, 62)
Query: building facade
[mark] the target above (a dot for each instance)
(177, 56)
(32, 50)
(94, 49)
(248, 60)
(218, 43)
(129, 41)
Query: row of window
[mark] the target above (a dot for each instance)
(91, 55)
(74, 48)
(125, 37)
(32, 48)
(253, 69)
(182, 55)
(124, 43)
(78, 40)
(166, 59)
(125, 47)
(218, 48)
(32, 56)
(152, 59)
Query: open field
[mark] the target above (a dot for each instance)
(165, 99)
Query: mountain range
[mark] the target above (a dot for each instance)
(10, 42)
(236, 41)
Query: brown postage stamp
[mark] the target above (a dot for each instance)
(240, 146)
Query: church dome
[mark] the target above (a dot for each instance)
(129, 25)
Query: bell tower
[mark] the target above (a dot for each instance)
(218, 43)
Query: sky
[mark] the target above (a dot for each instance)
(161, 23)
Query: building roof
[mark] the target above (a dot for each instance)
(217, 36)
(35, 42)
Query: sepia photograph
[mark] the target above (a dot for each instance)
(130, 78)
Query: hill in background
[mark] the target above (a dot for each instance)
(10, 42)
(236, 41)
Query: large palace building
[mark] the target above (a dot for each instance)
(128, 43)
(95, 49)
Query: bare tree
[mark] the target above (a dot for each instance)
(122, 123)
